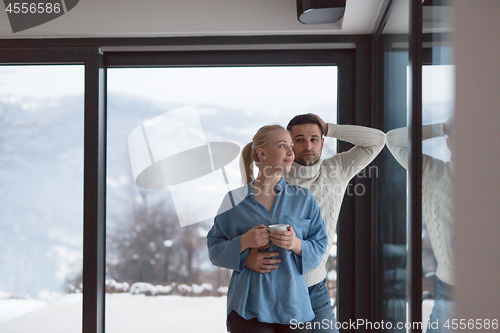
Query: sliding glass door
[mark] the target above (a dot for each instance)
(158, 217)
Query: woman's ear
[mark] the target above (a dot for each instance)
(260, 154)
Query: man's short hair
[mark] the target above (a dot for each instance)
(304, 119)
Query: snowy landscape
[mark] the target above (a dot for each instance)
(124, 313)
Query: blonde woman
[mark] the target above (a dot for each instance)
(277, 301)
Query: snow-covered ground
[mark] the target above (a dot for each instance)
(12, 308)
(124, 313)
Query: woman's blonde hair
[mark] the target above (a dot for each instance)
(249, 155)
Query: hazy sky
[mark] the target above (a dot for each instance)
(41, 81)
(438, 83)
(230, 85)
(253, 88)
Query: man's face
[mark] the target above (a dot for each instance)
(307, 143)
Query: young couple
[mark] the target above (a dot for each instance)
(279, 278)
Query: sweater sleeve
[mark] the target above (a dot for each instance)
(397, 141)
(315, 243)
(368, 144)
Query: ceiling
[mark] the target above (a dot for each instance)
(154, 18)
(167, 18)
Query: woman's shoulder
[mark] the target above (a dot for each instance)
(239, 193)
(233, 198)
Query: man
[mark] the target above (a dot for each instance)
(328, 180)
(437, 184)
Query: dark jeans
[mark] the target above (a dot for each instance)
(238, 324)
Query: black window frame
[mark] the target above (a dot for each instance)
(352, 55)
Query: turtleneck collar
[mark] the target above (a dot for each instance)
(304, 172)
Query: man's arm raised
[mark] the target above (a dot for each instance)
(368, 142)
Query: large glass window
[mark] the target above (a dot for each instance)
(41, 197)
(158, 214)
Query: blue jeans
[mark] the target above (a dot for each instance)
(442, 310)
(322, 307)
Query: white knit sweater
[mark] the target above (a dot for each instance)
(328, 179)
(436, 196)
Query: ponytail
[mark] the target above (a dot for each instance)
(246, 164)
(249, 155)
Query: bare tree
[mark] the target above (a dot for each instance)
(149, 245)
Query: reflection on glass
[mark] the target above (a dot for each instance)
(437, 173)
(41, 197)
(437, 180)
(156, 234)
(437, 235)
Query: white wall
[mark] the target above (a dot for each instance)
(477, 49)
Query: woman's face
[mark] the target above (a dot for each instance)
(277, 155)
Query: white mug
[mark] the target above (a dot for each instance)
(273, 227)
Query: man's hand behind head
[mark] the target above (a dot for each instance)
(324, 125)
